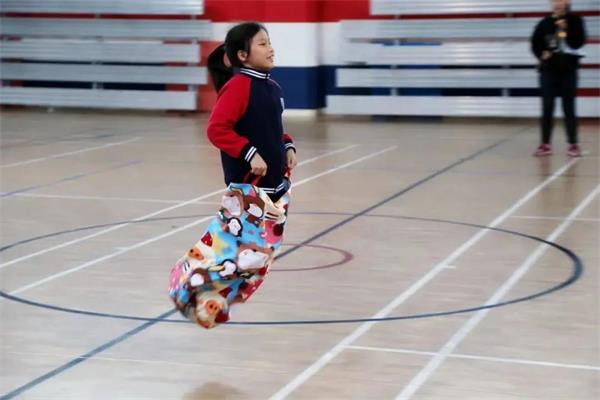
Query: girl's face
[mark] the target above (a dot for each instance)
(560, 6)
(261, 55)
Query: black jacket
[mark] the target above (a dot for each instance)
(545, 38)
(246, 120)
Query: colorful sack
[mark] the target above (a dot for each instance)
(233, 257)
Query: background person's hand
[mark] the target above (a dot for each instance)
(561, 24)
(546, 55)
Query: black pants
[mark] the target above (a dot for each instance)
(555, 83)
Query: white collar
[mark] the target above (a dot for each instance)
(254, 73)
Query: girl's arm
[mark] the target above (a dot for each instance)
(230, 107)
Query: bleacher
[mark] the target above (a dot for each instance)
(102, 53)
(398, 57)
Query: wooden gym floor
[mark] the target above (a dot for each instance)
(430, 259)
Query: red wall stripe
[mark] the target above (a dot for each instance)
(207, 96)
(588, 92)
(286, 11)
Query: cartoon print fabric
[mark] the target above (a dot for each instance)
(233, 256)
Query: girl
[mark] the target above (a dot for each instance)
(245, 123)
(555, 42)
(233, 256)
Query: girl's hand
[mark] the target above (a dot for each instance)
(258, 166)
(291, 159)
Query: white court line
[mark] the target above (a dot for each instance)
(70, 153)
(174, 231)
(166, 144)
(211, 363)
(95, 261)
(555, 218)
(100, 198)
(143, 217)
(104, 231)
(329, 153)
(414, 288)
(423, 375)
(480, 358)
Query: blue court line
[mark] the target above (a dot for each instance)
(81, 358)
(394, 196)
(148, 324)
(71, 178)
(576, 273)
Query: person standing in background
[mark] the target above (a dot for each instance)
(555, 42)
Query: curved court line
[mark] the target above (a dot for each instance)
(346, 256)
(423, 375)
(158, 212)
(576, 273)
(90, 227)
(322, 233)
(414, 288)
(148, 324)
(153, 239)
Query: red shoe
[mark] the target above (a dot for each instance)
(543, 150)
(574, 151)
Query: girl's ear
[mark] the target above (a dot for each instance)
(242, 55)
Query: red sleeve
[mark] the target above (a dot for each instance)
(231, 105)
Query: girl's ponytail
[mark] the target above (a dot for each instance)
(219, 72)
